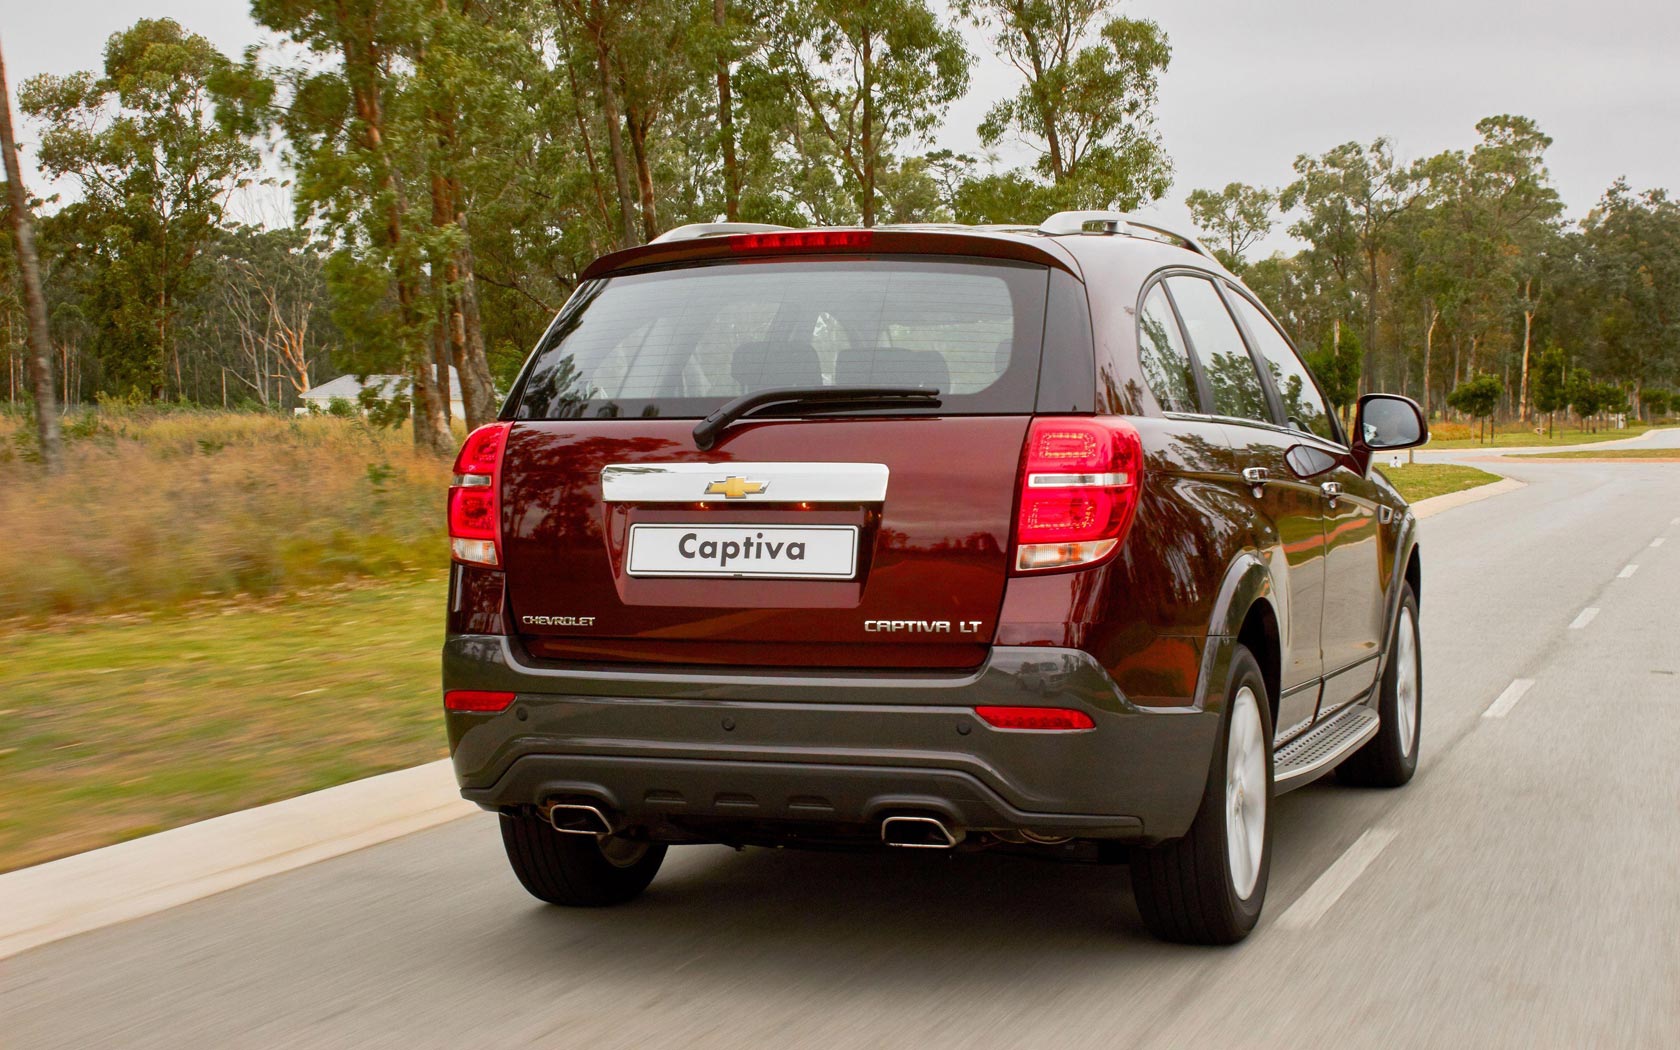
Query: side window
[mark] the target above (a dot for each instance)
(1220, 349)
(1165, 359)
(1304, 407)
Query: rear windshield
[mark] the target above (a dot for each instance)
(680, 343)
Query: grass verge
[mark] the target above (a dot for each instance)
(1459, 435)
(1423, 480)
(118, 728)
(1671, 455)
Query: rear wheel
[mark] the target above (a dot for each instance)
(1390, 758)
(1207, 887)
(578, 871)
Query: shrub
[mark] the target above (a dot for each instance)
(156, 509)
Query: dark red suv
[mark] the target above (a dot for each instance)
(1030, 539)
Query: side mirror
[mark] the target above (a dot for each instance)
(1385, 422)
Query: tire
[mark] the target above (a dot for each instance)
(577, 871)
(1208, 886)
(1389, 759)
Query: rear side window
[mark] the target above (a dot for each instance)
(682, 342)
(1304, 407)
(1165, 358)
(1219, 347)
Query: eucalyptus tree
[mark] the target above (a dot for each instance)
(150, 143)
(1091, 80)
(874, 75)
(1518, 211)
(35, 302)
(1236, 217)
(360, 143)
(1631, 286)
(1350, 199)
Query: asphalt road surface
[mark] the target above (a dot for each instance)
(1523, 891)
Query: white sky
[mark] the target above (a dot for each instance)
(1251, 85)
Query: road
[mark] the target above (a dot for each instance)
(1523, 891)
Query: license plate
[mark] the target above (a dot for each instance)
(807, 552)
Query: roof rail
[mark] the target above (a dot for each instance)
(696, 230)
(1064, 223)
(1068, 222)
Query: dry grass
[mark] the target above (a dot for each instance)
(158, 510)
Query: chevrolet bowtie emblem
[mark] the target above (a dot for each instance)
(736, 488)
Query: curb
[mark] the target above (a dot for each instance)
(1426, 508)
(61, 898)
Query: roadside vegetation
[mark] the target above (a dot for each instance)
(1463, 435)
(141, 722)
(1422, 480)
(1660, 455)
(161, 509)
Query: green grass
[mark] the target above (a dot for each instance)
(118, 727)
(1515, 435)
(1423, 480)
(1670, 454)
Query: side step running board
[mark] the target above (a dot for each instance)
(1322, 746)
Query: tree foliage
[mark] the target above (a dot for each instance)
(149, 144)
(1237, 217)
(1086, 106)
(455, 164)
(1478, 396)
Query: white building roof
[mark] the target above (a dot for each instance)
(386, 386)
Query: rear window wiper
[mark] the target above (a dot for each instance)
(707, 430)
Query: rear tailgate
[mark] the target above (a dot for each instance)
(863, 536)
(922, 590)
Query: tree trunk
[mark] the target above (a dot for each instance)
(726, 116)
(595, 25)
(478, 392)
(868, 72)
(1528, 331)
(364, 68)
(1367, 366)
(638, 123)
(582, 126)
(431, 428)
(1428, 353)
(35, 301)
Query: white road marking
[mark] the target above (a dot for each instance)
(1585, 618)
(1323, 894)
(1502, 705)
(1657, 542)
(1627, 570)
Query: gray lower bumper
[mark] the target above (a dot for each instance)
(830, 748)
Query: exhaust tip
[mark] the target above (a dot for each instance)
(575, 818)
(911, 832)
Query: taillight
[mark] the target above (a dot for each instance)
(475, 511)
(1080, 482)
(1051, 719)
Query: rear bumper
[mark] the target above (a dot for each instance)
(830, 749)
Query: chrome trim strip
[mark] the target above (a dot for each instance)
(1068, 481)
(776, 482)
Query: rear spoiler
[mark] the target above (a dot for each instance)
(744, 241)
